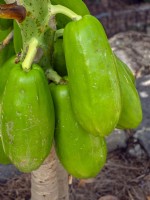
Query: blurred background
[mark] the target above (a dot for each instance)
(118, 15)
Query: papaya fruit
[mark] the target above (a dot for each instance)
(131, 113)
(93, 79)
(82, 154)
(27, 118)
(126, 68)
(58, 58)
(4, 73)
(78, 6)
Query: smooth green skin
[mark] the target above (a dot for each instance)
(6, 53)
(4, 73)
(17, 39)
(3, 158)
(27, 118)
(82, 154)
(93, 80)
(58, 60)
(78, 6)
(131, 113)
(126, 68)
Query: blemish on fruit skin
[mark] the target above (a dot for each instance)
(22, 91)
(19, 114)
(9, 129)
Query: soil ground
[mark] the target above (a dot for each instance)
(123, 176)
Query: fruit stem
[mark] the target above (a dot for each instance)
(54, 76)
(55, 9)
(31, 53)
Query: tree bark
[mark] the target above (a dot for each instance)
(62, 175)
(44, 184)
(50, 181)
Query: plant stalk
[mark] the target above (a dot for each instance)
(31, 53)
(55, 9)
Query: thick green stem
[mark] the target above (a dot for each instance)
(31, 53)
(55, 9)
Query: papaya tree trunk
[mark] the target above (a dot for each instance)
(50, 181)
(44, 184)
(62, 176)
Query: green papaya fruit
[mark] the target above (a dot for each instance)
(78, 6)
(131, 113)
(18, 44)
(58, 58)
(4, 73)
(3, 158)
(82, 154)
(126, 68)
(27, 118)
(6, 53)
(93, 79)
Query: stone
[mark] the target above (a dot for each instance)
(143, 137)
(136, 151)
(134, 49)
(109, 197)
(143, 87)
(118, 139)
(7, 172)
(143, 131)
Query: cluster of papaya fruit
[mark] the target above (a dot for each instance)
(97, 95)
